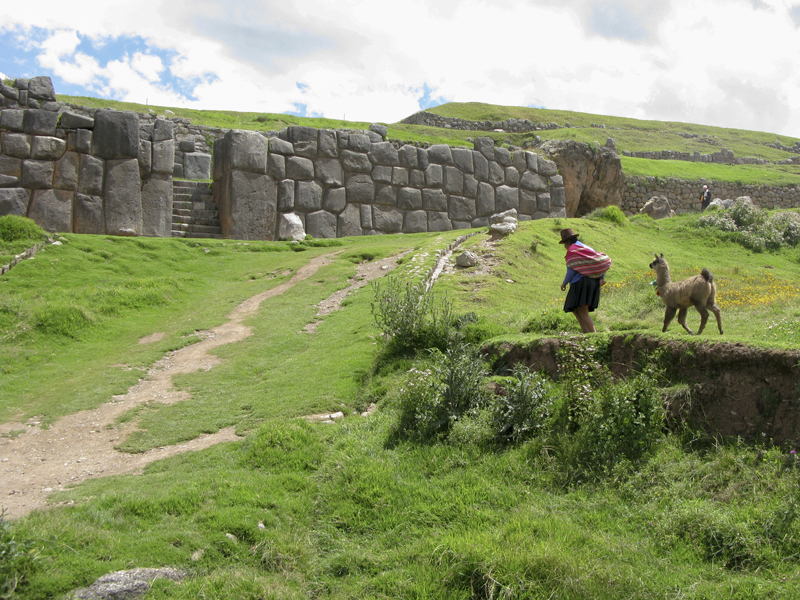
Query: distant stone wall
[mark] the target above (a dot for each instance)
(73, 173)
(508, 125)
(342, 183)
(684, 195)
(723, 156)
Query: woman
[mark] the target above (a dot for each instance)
(584, 290)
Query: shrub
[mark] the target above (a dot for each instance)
(788, 224)
(525, 409)
(612, 214)
(410, 316)
(14, 228)
(436, 395)
(747, 215)
(551, 320)
(17, 559)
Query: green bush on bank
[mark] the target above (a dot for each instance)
(753, 227)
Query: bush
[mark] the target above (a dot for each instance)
(410, 316)
(747, 215)
(551, 320)
(14, 228)
(17, 559)
(788, 224)
(612, 214)
(436, 395)
(525, 409)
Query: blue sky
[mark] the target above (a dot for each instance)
(732, 63)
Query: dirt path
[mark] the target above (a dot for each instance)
(81, 445)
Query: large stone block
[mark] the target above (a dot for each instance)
(334, 200)
(321, 224)
(518, 161)
(366, 215)
(433, 199)
(145, 157)
(300, 133)
(358, 142)
(386, 194)
(197, 165)
(415, 221)
(461, 209)
(434, 176)
(83, 141)
(360, 189)
(300, 168)
(87, 215)
(286, 195)
(506, 198)
(462, 158)
(453, 180)
(422, 158)
(243, 151)
(382, 174)
(12, 119)
(328, 172)
(247, 206)
(65, 176)
(440, 154)
(14, 201)
(512, 176)
(409, 198)
(408, 156)
(383, 153)
(9, 92)
(52, 210)
(16, 145)
(533, 182)
(290, 227)
(10, 167)
(502, 156)
(481, 166)
(439, 221)
(485, 146)
(527, 202)
(357, 162)
(276, 166)
(532, 160)
(307, 197)
(416, 178)
(41, 88)
(470, 186)
(163, 130)
(115, 135)
(40, 122)
(328, 146)
(280, 146)
(70, 120)
(485, 200)
(122, 194)
(387, 219)
(558, 197)
(399, 176)
(497, 175)
(349, 222)
(543, 203)
(157, 206)
(163, 157)
(548, 168)
(90, 175)
(37, 174)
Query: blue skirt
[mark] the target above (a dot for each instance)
(584, 292)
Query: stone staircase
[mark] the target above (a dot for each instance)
(194, 210)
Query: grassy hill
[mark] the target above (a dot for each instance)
(629, 134)
(352, 509)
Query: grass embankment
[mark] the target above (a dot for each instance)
(629, 134)
(350, 510)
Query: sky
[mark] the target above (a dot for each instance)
(729, 63)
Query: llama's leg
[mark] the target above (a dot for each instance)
(715, 309)
(668, 315)
(703, 316)
(585, 321)
(682, 319)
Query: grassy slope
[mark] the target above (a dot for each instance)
(629, 134)
(344, 513)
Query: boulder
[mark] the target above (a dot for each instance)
(592, 178)
(467, 259)
(290, 227)
(381, 130)
(125, 585)
(197, 165)
(115, 135)
(40, 122)
(41, 88)
(658, 207)
(502, 229)
(247, 205)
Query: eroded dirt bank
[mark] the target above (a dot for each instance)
(734, 390)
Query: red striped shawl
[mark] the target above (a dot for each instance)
(587, 261)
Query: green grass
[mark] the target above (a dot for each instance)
(347, 510)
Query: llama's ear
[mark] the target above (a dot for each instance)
(656, 255)
(662, 255)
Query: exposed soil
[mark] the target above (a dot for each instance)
(732, 390)
(36, 461)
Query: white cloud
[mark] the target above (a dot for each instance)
(723, 62)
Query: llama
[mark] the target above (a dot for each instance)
(699, 291)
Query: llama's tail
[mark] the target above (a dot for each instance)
(707, 275)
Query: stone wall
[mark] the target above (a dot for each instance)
(684, 195)
(104, 174)
(723, 157)
(342, 183)
(509, 125)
